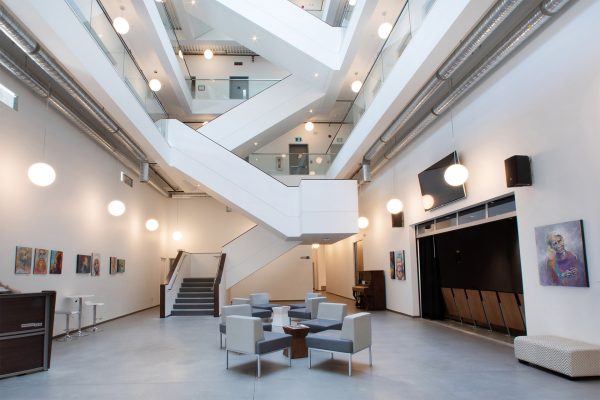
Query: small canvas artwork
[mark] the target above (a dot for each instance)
(113, 265)
(392, 266)
(95, 264)
(83, 264)
(561, 254)
(23, 260)
(120, 265)
(56, 258)
(399, 264)
(40, 264)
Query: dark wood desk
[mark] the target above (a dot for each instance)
(298, 332)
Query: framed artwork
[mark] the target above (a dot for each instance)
(23, 260)
(113, 265)
(95, 264)
(399, 264)
(120, 265)
(83, 264)
(392, 266)
(40, 263)
(561, 254)
(56, 258)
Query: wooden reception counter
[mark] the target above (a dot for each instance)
(26, 322)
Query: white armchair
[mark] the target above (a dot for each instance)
(354, 337)
(245, 335)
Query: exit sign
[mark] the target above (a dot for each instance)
(298, 139)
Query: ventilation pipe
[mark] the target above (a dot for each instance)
(535, 21)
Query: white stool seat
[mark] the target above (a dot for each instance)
(280, 315)
(67, 314)
(93, 304)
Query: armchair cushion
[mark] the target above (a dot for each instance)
(311, 309)
(260, 313)
(273, 341)
(318, 325)
(329, 343)
(329, 316)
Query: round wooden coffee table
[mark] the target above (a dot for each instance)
(298, 332)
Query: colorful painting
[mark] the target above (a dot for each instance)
(40, 264)
(120, 265)
(83, 264)
(392, 266)
(399, 264)
(95, 264)
(23, 259)
(56, 258)
(561, 254)
(113, 265)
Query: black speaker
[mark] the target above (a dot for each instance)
(518, 171)
(398, 220)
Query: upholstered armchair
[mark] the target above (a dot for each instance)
(310, 311)
(245, 335)
(239, 309)
(256, 312)
(309, 295)
(354, 337)
(329, 316)
(261, 300)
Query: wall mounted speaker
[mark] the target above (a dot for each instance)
(518, 171)
(398, 220)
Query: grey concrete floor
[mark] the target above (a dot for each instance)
(142, 356)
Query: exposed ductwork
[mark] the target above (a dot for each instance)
(490, 23)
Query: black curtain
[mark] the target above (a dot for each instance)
(432, 303)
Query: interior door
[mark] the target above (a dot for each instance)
(238, 87)
(298, 159)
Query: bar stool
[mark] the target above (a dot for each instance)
(67, 315)
(94, 328)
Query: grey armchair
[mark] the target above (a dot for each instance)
(247, 336)
(238, 309)
(256, 312)
(308, 295)
(354, 337)
(261, 300)
(329, 316)
(310, 311)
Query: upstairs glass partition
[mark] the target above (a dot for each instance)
(228, 89)
(95, 19)
(408, 23)
(335, 16)
(291, 164)
(172, 30)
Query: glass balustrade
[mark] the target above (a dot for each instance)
(93, 16)
(315, 8)
(291, 163)
(228, 89)
(408, 23)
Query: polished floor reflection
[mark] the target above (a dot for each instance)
(142, 356)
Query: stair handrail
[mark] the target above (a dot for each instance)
(170, 281)
(217, 283)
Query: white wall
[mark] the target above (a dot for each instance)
(543, 102)
(71, 214)
(289, 277)
(221, 67)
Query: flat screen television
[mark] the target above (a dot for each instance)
(434, 189)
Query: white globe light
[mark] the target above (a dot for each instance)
(155, 85)
(352, 2)
(428, 201)
(456, 175)
(152, 224)
(394, 206)
(309, 126)
(41, 174)
(319, 160)
(177, 235)
(116, 208)
(356, 85)
(384, 30)
(363, 222)
(208, 54)
(121, 25)
(315, 245)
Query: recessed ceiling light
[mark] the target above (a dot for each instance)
(254, 38)
(121, 25)
(180, 54)
(311, 173)
(316, 75)
(256, 143)
(356, 85)
(310, 111)
(351, 2)
(384, 30)
(208, 54)
(155, 85)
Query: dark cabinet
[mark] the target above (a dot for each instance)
(370, 292)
